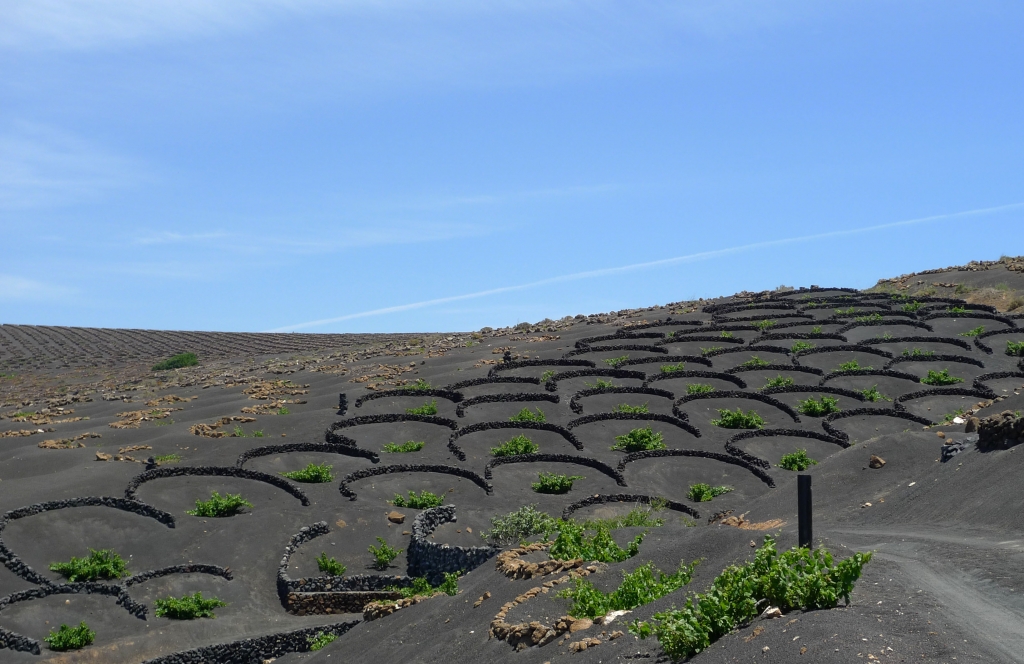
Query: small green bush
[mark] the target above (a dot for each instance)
(796, 579)
(1015, 348)
(188, 607)
(870, 318)
(420, 586)
(852, 365)
(313, 473)
(240, 433)
(672, 368)
(819, 407)
(425, 500)
(383, 554)
(547, 375)
(554, 483)
(517, 526)
(846, 312)
(639, 440)
(699, 388)
(178, 361)
(702, 493)
(283, 410)
(912, 307)
(872, 394)
(800, 346)
(616, 361)
(940, 378)
(641, 586)
(167, 458)
(321, 640)
(763, 325)
(956, 310)
(708, 351)
(726, 335)
(816, 330)
(626, 408)
(948, 417)
(219, 506)
(728, 419)
(798, 461)
(779, 381)
(102, 564)
(425, 409)
(574, 542)
(527, 415)
(70, 638)
(420, 384)
(917, 352)
(329, 566)
(641, 516)
(754, 363)
(516, 446)
(408, 446)
(600, 384)
(973, 332)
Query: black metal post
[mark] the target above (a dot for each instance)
(803, 497)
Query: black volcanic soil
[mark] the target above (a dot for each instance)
(946, 583)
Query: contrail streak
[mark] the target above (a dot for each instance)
(689, 258)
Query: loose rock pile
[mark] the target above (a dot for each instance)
(998, 432)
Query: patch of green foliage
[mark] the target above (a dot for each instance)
(383, 554)
(754, 363)
(101, 564)
(956, 310)
(846, 312)
(420, 586)
(616, 361)
(870, 318)
(187, 607)
(178, 361)
(639, 440)
(1015, 348)
(948, 417)
(283, 410)
(728, 419)
(517, 526)
(911, 307)
(408, 446)
(819, 407)
(872, 394)
(626, 408)
(420, 384)
(425, 500)
(973, 332)
(321, 640)
(70, 638)
(852, 365)
(425, 409)
(516, 446)
(641, 586)
(796, 579)
(671, 368)
(641, 516)
(547, 375)
(167, 458)
(800, 346)
(312, 473)
(917, 352)
(798, 461)
(940, 378)
(240, 433)
(699, 388)
(816, 330)
(702, 493)
(600, 384)
(24, 413)
(329, 566)
(554, 483)
(527, 415)
(708, 351)
(573, 542)
(764, 325)
(726, 335)
(218, 506)
(779, 381)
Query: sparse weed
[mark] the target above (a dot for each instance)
(167, 458)
(283, 410)
(917, 352)
(728, 419)
(425, 500)
(554, 483)
(819, 407)
(940, 378)
(240, 433)
(797, 461)
(527, 415)
(425, 409)
(846, 312)
(870, 318)
(312, 473)
(408, 446)
(639, 440)
(220, 506)
(383, 554)
(702, 493)
(518, 445)
(948, 417)
(188, 607)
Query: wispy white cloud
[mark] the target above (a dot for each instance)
(675, 260)
(14, 288)
(40, 166)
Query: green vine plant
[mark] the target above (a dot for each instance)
(639, 440)
(527, 415)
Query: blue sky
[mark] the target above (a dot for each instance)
(413, 166)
